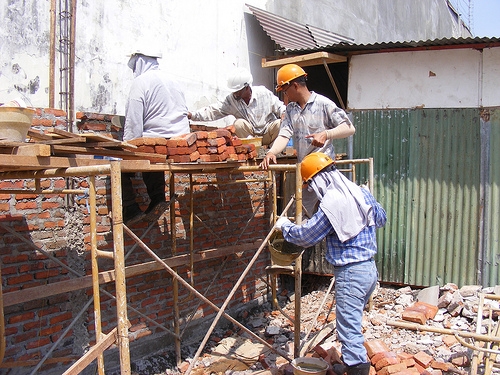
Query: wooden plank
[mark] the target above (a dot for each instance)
(33, 150)
(38, 135)
(64, 133)
(57, 149)
(93, 353)
(315, 58)
(20, 162)
(98, 137)
(44, 291)
(60, 141)
(116, 144)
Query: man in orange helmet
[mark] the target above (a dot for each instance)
(311, 119)
(347, 217)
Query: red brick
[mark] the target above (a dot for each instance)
(377, 357)
(429, 310)
(423, 359)
(180, 158)
(194, 156)
(61, 318)
(241, 149)
(443, 366)
(160, 149)
(414, 316)
(176, 142)
(212, 134)
(217, 142)
(42, 341)
(375, 346)
(231, 129)
(200, 135)
(386, 361)
(147, 149)
(182, 150)
(391, 369)
(190, 138)
(224, 133)
(14, 280)
(22, 318)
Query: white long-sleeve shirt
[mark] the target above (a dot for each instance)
(264, 108)
(156, 105)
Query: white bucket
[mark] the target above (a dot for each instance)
(15, 123)
(309, 366)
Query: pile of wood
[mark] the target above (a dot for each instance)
(207, 146)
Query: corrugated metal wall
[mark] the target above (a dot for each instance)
(490, 240)
(428, 165)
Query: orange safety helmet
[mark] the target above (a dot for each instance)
(288, 73)
(313, 163)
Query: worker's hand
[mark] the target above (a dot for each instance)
(267, 160)
(317, 139)
(189, 115)
(280, 222)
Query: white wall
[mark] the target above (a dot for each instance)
(201, 42)
(491, 78)
(461, 78)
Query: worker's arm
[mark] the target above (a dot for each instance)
(134, 121)
(343, 130)
(279, 145)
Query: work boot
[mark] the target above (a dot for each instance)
(339, 368)
(132, 214)
(361, 369)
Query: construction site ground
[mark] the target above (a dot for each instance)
(232, 352)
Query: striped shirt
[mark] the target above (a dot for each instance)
(359, 248)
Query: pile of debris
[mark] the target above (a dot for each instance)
(396, 342)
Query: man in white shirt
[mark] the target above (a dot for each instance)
(257, 110)
(156, 107)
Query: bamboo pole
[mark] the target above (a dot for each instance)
(175, 284)
(95, 271)
(231, 294)
(298, 263)
(445, 331)
(121, 290)
(201, 296)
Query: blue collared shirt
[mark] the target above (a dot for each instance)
(359, 248)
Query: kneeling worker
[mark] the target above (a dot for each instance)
(257, 110)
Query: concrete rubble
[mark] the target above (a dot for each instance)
(392, 350)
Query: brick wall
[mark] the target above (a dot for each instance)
(33, 226)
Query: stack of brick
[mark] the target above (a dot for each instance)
(384, 361)
(387, 362)
(205, 146)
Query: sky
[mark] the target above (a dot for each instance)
(486, 18)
